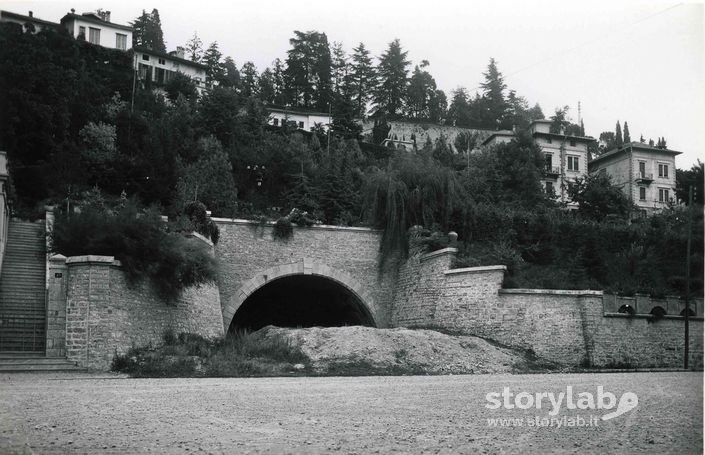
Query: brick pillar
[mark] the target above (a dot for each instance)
(56, 307)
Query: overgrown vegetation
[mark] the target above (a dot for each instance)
(240, 354)
(67, 128)
(140, 240)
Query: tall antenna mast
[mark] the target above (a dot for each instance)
(580, 117)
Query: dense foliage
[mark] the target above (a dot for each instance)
(71, 121)
(140, 240)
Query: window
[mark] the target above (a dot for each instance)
(573, 163)
(572, 142)
(276, 122)
(663, 195)
(642, 169)
(145, 57)
(548, 161)
(549, 188)
(162, 61)
(549, 140)
(120, 41)
(301, 124)
(94, 35)
(663, 170)
(642, 193)
(81, 33)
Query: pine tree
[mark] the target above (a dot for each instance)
(279, 83)
(194, 48)
(214, 67)
(249, 79)
(339, 68)
(618, 135)
(627, 137)
(308, 70)
(361, 78)
(493, 94)
(392, 81)
(420, 93)
(231, 77)
(139, 29)
(155, 35)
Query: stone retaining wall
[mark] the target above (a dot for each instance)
(105, 315)
(567, 327)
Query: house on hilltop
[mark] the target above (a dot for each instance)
(96, 28)
(646, 174)
(159, 67)
(30, 24)
(301, 119)
(565, 156)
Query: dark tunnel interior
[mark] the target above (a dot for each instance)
(301, 301)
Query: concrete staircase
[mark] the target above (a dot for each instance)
(23, 290)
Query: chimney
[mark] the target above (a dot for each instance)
(106, 16)
(73, 11)
(31, 14)
(180, 52)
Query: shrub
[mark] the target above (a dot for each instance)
(283, 229)
(141, 242)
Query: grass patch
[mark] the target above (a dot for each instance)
(243, 354)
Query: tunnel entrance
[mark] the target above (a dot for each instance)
(301, 301)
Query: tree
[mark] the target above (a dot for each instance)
(618, 135)
(148, 31)
(194, 48)
(361, 78)
(459, 110)
(209, 180)
(691, 177)
(249, 79)
(231, 76)
(598, 198)
(266, 87)
(180, 85)
(420, 93)
(438, 106)
(392, 81)
(339, 68)
(627, 137)
(279, 83)
(214, 67)
(308, 70)
(493, 93)
(560, 121)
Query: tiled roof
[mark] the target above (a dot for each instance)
(95, 20)
(634, 145)
(27, 18)
(146, 50)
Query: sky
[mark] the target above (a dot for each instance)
(640, 61)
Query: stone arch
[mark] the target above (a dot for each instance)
(305, 266)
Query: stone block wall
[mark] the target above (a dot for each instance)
(105, 315)
(247, 249)
(567, 327)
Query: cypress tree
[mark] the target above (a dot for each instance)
(618, 135)
(627, 138)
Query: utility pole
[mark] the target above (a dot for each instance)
(687, 278)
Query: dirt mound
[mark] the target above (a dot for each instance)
(365, 350)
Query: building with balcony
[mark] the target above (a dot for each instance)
(565, 156)
(646, 174)
(159, 67)
(96, 28)
(300, 119)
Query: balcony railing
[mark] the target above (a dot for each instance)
(552, 170)
(643, 177)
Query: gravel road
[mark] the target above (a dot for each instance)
(69, 413)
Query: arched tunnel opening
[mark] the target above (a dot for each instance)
(301, 301)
